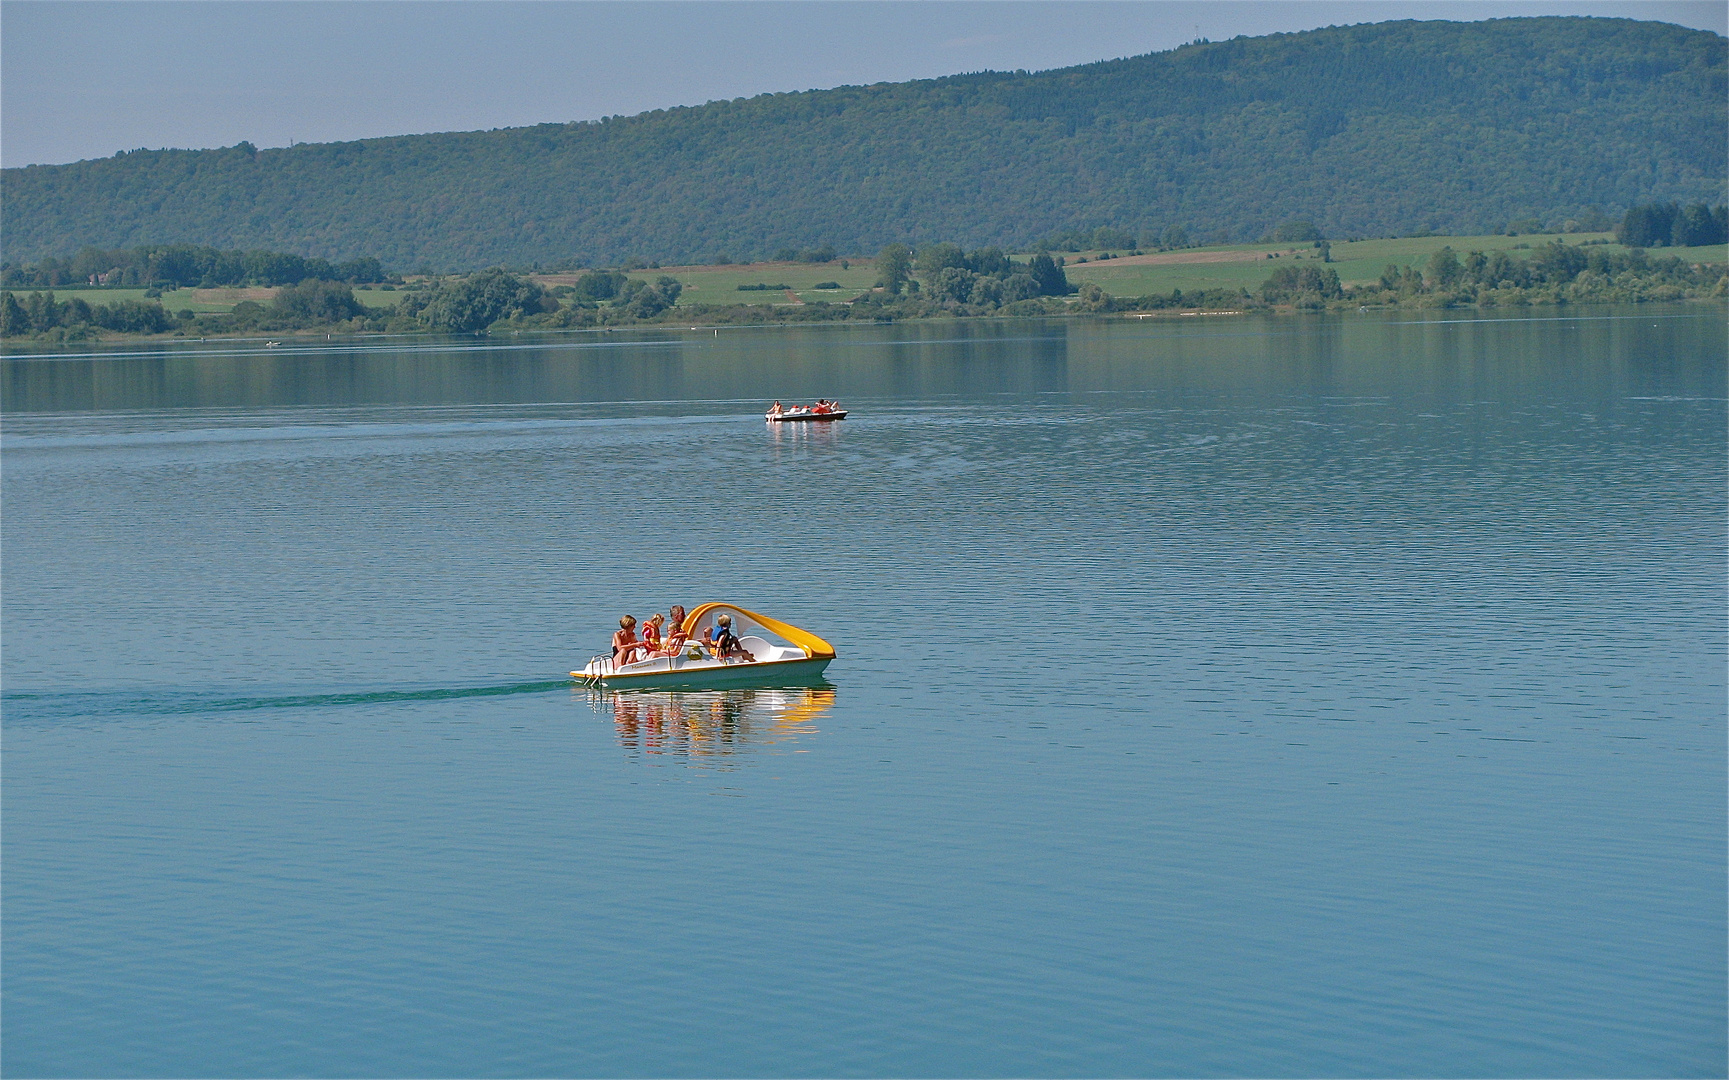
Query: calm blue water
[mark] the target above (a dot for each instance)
(1334, 696)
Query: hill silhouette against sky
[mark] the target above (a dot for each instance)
(1366, 130)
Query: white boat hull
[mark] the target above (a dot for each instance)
(804, 417)
(704, 675)
(793, 659)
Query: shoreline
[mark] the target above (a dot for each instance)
(51, 350)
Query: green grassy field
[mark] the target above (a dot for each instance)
(204, 301)
(1361, 261)
(719, 284)
(376, 300)
(173, 301)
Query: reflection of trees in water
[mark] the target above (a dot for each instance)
(713, 723)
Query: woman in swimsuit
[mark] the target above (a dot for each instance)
(675, 635)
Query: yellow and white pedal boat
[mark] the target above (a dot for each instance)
(780, 654)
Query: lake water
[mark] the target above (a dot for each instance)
(1239, 696)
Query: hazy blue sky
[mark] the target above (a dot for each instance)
(80, 80)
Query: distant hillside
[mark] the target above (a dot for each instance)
(1366, 130)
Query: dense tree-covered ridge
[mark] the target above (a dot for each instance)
(1364, 130)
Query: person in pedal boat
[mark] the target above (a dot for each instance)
(775, 409)
(651, 634)
(676, 638)
(624, 643)
(725, 642)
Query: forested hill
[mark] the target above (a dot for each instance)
(1367, 130)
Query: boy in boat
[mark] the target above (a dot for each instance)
(725, 642)
(624, 643)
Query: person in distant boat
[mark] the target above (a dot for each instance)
(725, 642)
(624, 643)
(822, 406)
(651, 634)
(775, 409)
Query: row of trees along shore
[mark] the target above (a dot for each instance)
(1673, 225)
(1555, 273)
(941, 279)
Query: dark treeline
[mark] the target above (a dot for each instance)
(178, 266)
(600, 297)
(1555, 273)
(985, 278)
(1673, 225)
(306, 304)
(1382, 129)
(41, 313)
(468, 304)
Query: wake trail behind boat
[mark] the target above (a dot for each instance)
(28, 707)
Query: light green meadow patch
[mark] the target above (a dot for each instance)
(1189, 277)
(173, 300)
(720, 284)
(374, 300)
(1709, 253)
(205, 301)
(1355, 262)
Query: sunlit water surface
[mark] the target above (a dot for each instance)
(1226, 697)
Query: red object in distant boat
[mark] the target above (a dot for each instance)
(804, 414)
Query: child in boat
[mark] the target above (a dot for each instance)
(651, 634)
(725, 642)
(675, 635)
(775, 409)
(624, 643)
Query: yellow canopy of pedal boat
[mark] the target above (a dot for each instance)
(816, 647)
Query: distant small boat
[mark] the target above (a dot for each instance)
(271, 344)
(804, 415)
(780, 654)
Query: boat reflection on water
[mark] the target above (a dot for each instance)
(714, 723)
(791, 435)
